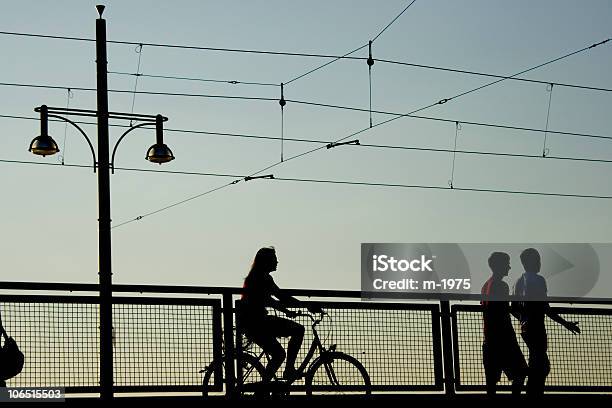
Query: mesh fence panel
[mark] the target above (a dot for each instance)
(165, 342)
(583, 360)
(394, 344)
(60, 342)
(155, 345)
(161, 345)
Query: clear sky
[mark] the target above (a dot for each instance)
(49, 223)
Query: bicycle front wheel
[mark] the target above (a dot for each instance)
(338, 373)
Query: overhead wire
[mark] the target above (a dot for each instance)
(366, 145)
(312, 55)
(323, 105)
(546, 150)
(183, 78)
(361, 47)
(317, 181)
(442, 101)
(69, 96)
(138, 50)
(392, 21)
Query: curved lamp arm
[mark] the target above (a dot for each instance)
(84, 135)
(112, 163)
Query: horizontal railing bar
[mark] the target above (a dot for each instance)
(220, 290)
(563, 310)
(556, 388)
(428, 307)
(157, 388)
(94, 300)
(82, 390)
(165, 301)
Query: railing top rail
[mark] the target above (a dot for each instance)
(222, 290)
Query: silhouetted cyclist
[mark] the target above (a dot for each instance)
(500, 350)
(532, 288)
(260, 291)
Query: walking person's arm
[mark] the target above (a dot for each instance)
(516, 304)
(571, 326)
(516, 309)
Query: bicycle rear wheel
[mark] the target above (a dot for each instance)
(207, 379)
(338, 373)
(252, 374)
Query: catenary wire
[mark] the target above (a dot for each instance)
(440, 102)
(183, 78)
(392, 21)
(366, 145)
(318, 181)
(318, 104)
(361, 47)
(350, 52)
(326, 56)
(139, 52)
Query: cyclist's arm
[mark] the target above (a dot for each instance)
(276, 299)
(283, 300)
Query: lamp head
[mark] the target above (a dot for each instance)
(159, 153)
(43, 145)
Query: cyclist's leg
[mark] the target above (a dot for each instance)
(274, 349)
(288, 328)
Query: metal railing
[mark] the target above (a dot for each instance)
(164, 335)
(579, 363)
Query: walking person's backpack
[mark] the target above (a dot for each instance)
(11, 358)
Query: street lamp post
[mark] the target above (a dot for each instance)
(158, 153)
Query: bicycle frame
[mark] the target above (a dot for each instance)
(249, 362)
(314, 346)
(303, 368)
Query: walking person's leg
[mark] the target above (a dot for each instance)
(539, 365)
(492, 368)
(515, 366)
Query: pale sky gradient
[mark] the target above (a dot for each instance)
(49, 223)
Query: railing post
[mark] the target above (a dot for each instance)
(447, 345)
(228, 335)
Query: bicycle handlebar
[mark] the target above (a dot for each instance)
(312, 317)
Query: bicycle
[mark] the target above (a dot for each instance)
(331, 370)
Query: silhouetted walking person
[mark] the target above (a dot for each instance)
(2, 333)
(500, 350)
(531, 287)
(260, 291)
(11, 358)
